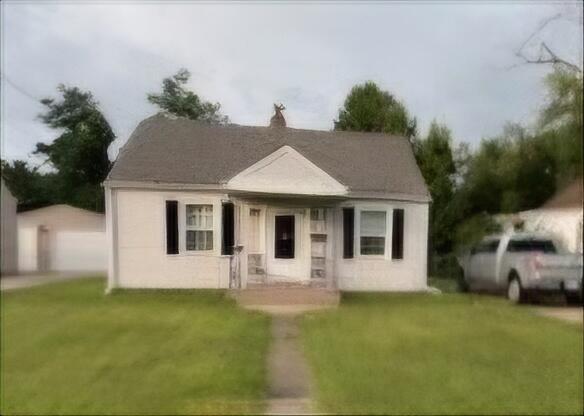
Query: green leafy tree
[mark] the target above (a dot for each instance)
(509, 173)
(176, 99)
(560, 123)
(79, 154)
(31, 188)
(436, 161)
(370, 109)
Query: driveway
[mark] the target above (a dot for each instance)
(14, 282)
(564, 313)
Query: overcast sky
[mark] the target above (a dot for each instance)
(450, 61)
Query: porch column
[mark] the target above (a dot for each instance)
(241, 240)
(331, 222)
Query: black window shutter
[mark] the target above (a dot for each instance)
(397, 240)
(348, 232)
(171, 227)
(228, 238)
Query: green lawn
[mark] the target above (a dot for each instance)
(447, 354)
(69, 349)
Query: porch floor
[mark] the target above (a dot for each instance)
(286, 298)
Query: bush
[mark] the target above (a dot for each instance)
(445, 267)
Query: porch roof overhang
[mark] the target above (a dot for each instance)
(242, 193)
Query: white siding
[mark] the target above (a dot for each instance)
(140, 233)
(27, 249)
(286, 171)
(138, 237)
(9, 254)
(381, 273)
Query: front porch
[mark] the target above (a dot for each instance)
(284, 243)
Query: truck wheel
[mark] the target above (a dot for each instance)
(514, 290)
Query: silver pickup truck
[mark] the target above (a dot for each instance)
(521, 263)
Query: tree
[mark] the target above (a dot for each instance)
(436, 161)
(177, 100)
(512, 172)
(543, 53)
(31, 188)
(79, 153)
(370, 109)
(560, 123)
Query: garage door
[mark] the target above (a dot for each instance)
(79, 251)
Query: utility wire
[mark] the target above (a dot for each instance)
(20, 89)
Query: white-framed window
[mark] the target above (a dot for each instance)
(199, 227)
(318, 220)
(372, 233)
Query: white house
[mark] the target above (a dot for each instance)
(8, 256)
(193, 205)
(561, 217)
(61, 238)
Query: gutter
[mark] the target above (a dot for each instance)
(157, 185)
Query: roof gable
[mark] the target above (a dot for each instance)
(286, 171)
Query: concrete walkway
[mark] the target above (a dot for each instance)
(15, 282)
(289, 378)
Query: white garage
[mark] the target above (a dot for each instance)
(61, 238)
(79, 251)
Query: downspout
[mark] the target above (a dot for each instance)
(111, 237)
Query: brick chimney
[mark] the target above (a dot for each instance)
(278, 119)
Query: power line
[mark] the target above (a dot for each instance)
(20, 89)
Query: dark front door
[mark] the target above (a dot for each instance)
(284, 238)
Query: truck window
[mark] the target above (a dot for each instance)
(492, 246)
(544, 246)
(489, 246)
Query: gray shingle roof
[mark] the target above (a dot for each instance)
(181, 151)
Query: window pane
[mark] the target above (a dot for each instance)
(208, 240)
(489, 246)
(493, 246)
(372, 245)
(192, 215)
(373, 223)
(318, 214)
(318, 220)
(191, 240)
(199, 216)
(199, 240)
(543, 246)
